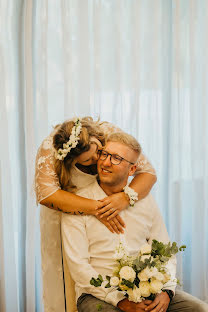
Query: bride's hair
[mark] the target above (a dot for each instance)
(90, 128)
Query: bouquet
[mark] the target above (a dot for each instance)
(143, 276)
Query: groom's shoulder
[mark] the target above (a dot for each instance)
(147, 203)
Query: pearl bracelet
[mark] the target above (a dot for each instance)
(132, 195)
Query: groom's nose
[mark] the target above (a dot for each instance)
(107, 161)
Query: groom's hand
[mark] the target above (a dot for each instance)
(115, 225)
(129, 306)
(160, 304)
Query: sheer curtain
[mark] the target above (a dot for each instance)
(142, 65)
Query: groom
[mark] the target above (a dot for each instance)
(90, 246)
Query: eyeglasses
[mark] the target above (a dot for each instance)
(114, 158)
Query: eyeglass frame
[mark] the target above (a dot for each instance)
(122, 158)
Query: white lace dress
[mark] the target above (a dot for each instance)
(47, 183)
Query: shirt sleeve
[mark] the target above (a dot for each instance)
(76, 249)
(46, 179)
(159, 232)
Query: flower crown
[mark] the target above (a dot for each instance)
(73, 141)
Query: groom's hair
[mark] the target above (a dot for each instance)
(126, 139)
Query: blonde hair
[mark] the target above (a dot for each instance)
(90, 128)
(126, 139)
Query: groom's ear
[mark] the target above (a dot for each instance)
(132, 169)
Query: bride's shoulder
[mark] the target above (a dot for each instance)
(47, 143)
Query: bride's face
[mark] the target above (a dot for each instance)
(90, 157)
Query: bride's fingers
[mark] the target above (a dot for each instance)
(109, 226)
(113, 214)
(104, 210)
(120, 220)
(109, 213)
(103, 206)
(116, 226)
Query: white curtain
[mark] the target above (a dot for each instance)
(141, 64)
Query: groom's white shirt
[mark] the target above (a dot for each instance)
(90, 246)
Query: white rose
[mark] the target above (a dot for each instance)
(159, 276)
(134, 294)
(145, 249)
(155, 286)
(144, 288)
(127, 273)
(154, 271)
(144, 275)
(114, 281)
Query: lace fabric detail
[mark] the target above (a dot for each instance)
(46, 180)
(143, 165)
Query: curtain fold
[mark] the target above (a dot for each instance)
(12, 161)
(139, 64)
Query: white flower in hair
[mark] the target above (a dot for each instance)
(72, 142)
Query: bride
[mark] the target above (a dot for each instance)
(65, 162)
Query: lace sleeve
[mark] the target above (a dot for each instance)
(143, 165)
(46, 180)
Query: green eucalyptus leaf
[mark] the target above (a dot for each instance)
(107, 285)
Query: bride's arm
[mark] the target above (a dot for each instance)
(70, 203)
(145, 177)
(47, 186)
(49, 193)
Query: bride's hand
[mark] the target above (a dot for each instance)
(115, 225)
(112, 205)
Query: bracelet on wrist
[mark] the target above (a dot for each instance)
(132, 195)
(169, 293)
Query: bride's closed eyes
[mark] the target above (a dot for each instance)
(90, 157)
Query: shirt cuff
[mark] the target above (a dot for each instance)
(166, 286)
(114, 296)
